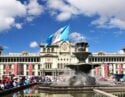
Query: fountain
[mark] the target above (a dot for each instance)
(82, 54)
(82, 68)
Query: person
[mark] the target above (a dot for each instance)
(26, 81)
(2, 85)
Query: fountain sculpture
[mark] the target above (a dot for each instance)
(82, 68)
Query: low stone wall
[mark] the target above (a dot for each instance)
(104, 93)
(81, 88)
(12, 90)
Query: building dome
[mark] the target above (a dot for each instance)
(24, 53)
(101, 53)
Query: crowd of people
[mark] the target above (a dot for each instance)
(8, 82)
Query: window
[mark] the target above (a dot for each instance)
(116, 66)
(1, 59)
(38, 73)
(33, 66)
(21, 59)
(26, 73)
(38, 60)
(48, 65)
(31, 59)
(44, 49)
(4, 66)
(60, 66)
(9, 73)
(10, 66)
(11, 59)
(33, 73)
(28, 59)
(38, 66)
(48, 49)
(14, 59)
(34, 59)
(5, 59)
(27, 66)
(96, 59)
(52, 49)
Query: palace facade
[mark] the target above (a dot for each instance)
(52, 60)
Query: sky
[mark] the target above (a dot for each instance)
(24, 24)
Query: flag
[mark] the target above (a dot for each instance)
(60, 35)
(49, 40)
(65, 34)
(57, 34)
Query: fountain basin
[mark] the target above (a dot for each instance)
(83, 67)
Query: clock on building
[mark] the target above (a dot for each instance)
(64, 46)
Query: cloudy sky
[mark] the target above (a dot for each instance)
(26, 23)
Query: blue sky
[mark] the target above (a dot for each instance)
(24, 24)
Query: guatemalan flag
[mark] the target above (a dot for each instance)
(61, 35)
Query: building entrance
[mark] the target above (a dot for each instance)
(48, 73)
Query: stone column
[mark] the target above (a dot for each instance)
(1, 70)
(114, 68)
(7, 68)
(25, 69)
(106, 69)
(120, 69)
(15, 70)
(30, 69)
(102, 70)
(36, 70)
(124, 68)
(97, 71)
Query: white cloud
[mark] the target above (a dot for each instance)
(10, 10)
(117, 23)
(77, 37)
(110, 12)
(121, 52)
(33, 9)
(61, 10)
(18, 25)
(34, 44)
(63, 16)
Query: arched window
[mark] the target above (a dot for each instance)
(48, 49)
